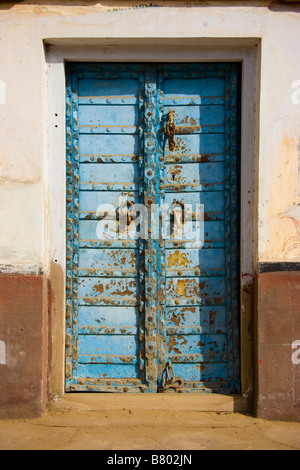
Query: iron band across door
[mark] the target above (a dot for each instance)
(152, 235)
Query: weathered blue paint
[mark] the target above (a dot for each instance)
(135, 305)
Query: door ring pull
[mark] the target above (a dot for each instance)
(170, 381)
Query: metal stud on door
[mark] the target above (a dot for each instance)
(148, 307)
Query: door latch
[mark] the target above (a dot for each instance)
(172, 129)
(125, 214)
(169, 380)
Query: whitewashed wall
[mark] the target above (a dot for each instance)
(25, 203)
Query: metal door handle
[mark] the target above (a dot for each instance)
(172, 129)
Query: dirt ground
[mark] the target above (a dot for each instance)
(75, 425)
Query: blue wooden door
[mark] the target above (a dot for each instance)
(152, 228)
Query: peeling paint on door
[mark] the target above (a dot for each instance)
(138, 307)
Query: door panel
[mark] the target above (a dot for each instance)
(105, 347)
(199, 285)
(140, 308)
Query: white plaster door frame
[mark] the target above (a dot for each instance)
(57, 52)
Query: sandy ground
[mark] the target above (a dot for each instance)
(73, 425)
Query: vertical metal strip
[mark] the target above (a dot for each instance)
(161, 258)
(141, 242)
(150, 145)
(75, 154)
(73, 226)
(69, 228)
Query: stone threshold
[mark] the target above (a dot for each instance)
(163, 402)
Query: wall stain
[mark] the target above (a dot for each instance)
(293, 213)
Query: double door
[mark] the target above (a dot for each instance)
(152, 228)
